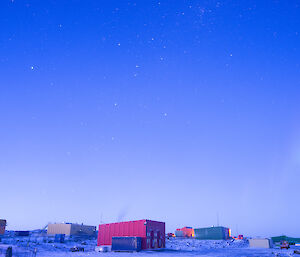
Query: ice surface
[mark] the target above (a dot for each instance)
(174, 247)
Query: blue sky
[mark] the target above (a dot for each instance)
(167, 110)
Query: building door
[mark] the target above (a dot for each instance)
(158, 239)
(152, 239)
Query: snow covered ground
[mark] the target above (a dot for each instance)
(174, 247)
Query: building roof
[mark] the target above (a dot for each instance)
(143, 220)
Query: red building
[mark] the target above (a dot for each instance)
(151, 232)
(2, 226)
(184, 232)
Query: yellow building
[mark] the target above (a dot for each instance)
(71, 229)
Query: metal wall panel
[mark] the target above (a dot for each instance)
(77, 229)
(130, 228)
(60, 228)
(71, 229)
(152, 233)
(179, 233)
(212, 233)
(260, 243)
(156, 232)
(126, 243)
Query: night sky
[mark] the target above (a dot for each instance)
(178, 111)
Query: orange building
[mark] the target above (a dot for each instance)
(184, 232)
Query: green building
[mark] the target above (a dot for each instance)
(212, 233)
(291, 240)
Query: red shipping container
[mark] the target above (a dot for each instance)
(151, 232)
